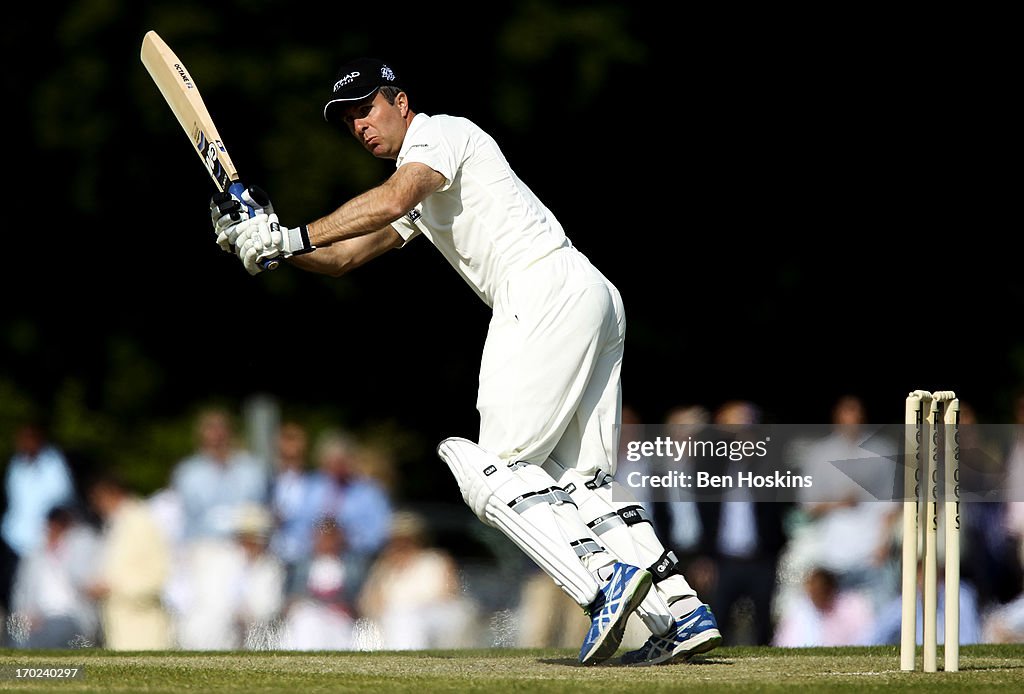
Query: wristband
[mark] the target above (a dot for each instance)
(301, 234)
(298, 238)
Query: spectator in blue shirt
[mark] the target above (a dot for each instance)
(217, 480)
(358, 504)
(292, 541)
(37, 480)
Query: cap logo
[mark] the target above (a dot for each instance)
(387, 74)
(347, 79)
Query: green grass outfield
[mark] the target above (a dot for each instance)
(726, 669)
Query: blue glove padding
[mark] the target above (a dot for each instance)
(227, 212)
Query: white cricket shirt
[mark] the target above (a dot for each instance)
(483, 219)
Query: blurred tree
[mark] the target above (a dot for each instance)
(559, 53)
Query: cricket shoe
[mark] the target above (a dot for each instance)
(695, 633)
(617, 599)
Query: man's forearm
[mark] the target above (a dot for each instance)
(338, 258)
(377, 207)
(374, 209)
(325, 260)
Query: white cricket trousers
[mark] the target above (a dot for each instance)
(549, 375)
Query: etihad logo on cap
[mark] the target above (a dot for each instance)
(347, 79)
(387, 73)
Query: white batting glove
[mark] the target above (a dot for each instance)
(227, 212)
(263, 237)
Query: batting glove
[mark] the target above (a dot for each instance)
(263, 237)
(227, 212)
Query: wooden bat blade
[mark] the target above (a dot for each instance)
(182, 95)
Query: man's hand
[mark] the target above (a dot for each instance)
(227, 213)
(263, 237)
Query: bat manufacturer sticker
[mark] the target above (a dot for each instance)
(184, 76)
(208, 151)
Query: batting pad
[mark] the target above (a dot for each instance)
(524, 503)
(623, 527)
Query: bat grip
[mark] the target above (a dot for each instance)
(236, 189)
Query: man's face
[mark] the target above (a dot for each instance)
(214, 430)
(379, 126)
(29, 441)
(102, 500)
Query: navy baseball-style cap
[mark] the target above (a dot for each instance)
(357, 80)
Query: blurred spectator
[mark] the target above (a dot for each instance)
(51, 607)
(887, 626)
(1005, 624)
(826, 616)
(289, 496)
(376, 462)
(1015, 477)
(260, 581)
(169, 514)
(413, 595)
(166, 507)
(135, 562)
(37, 480)
(319, 617)
(741, 540)
(547, 617)
(680, 519)
(217, 480)
(849, 503)
(989, 550)
(982, 456)
(235, 591)
(359, 505)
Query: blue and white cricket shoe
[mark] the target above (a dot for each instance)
(694, 633)
(623, 592)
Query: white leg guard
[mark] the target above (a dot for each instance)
(623, 527)
(523, 502)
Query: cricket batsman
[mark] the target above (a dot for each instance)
(549, 395)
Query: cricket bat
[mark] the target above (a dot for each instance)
(182, 95)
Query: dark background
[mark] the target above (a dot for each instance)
(794, 207)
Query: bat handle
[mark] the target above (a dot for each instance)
(236, 189)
